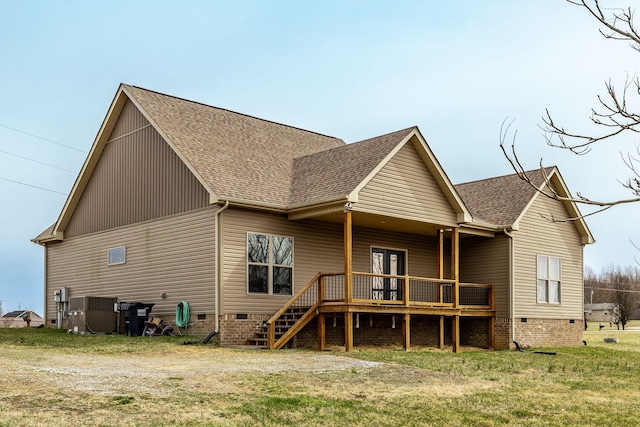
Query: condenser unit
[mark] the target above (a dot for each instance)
(89, 315)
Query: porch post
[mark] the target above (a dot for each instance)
(348, 254)
(406, 331)
(440, 254)
(455, 334)
(440, 275)
(348, 277)
(322, 332)
(455, 270)
(321, 317)
(348, 331)
(455, 265)
(492, 332)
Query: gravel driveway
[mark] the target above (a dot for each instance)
(213, 368)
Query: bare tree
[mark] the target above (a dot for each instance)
(613, 115)
(593, 289)
(625, 292)
(618, 286)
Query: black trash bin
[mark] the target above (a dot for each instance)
(136, 313)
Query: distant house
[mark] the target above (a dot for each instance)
(277, 235)
(21, 319)
(601, 312)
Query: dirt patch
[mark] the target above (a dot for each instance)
(210, 368)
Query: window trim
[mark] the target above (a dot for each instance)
(112, 250)
(269, 264)
(548, 279)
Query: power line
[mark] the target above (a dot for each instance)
(43, 139)
(33, 186)
(37, 161)
(614, 289)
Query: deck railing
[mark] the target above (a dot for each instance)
(376, 289)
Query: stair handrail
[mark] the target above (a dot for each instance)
(271, 332)
(293, 299)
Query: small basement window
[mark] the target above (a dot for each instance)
(117, 255)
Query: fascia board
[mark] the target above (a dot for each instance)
(353, 195)
(431, 162)
(90, 162)
(556, 179)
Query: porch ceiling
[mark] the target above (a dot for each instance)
(381, 222)
(389, 223)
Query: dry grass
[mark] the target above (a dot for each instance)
(57, 379)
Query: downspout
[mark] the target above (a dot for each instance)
(218, 263)
(511, 284)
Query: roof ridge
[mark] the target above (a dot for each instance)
(231, 111)
(352, 144)
(504, 176)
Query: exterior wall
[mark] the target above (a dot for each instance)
(138, 178)
(173, 255)
(486, 260)
(317, 247)
(405, 188)
(548, 332)
(540, 236)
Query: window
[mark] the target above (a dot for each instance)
(117, 255)
(548, 279)
(269, 264)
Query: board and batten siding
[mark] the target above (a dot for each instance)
(486, 260)
(540, 236)
(137, 178)
(405, 188)
(174, 255)
(317, 247)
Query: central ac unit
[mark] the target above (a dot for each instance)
(89, 315)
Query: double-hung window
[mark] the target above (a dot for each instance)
(269, 264)
(548, 279)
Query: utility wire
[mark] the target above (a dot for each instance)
(614, 289)
(37, 161)
(43, 139)
(33, 186)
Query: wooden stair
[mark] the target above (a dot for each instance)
(282, 325)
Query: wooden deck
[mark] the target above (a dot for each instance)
(405, 295)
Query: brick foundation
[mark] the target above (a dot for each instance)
(236, 330)
(548, 332)
(502, 338)
(379, 330)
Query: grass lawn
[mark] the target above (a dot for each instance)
(593, 385)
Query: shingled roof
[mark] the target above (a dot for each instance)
(500, 200)
(238, 157)
(333, 174)
(251, 161)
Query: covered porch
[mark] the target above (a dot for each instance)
(387, 291)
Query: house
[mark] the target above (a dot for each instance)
(601, 312)
(21, 319)
(280, 235)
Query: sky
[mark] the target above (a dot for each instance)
(349, 69)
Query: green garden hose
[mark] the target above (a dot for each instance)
(182, 315)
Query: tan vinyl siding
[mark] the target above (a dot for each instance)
(405, 188)
(137, 178)
(317, 247)
(540, 236)
(172, 255)
(486, 260)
